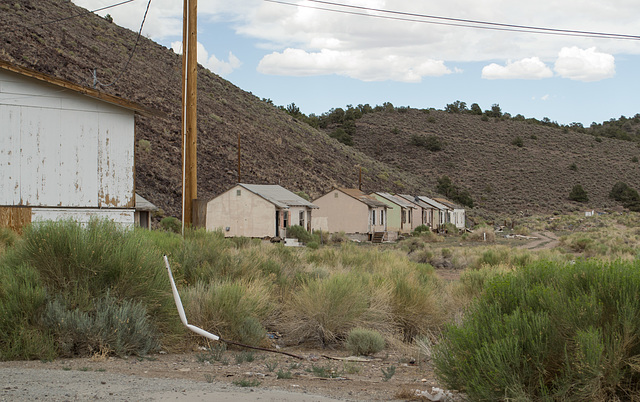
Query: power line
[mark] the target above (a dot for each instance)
(77, 15)
(456, 22)
(97, 82)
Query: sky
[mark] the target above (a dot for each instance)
(376, 51)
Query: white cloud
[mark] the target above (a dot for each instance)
(584, 64)
(545, 97)
(528, 69)
(355, 64)
(410, 50)
(220, 67)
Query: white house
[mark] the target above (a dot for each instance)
(457, 214)
(258, 210)
(66, 151)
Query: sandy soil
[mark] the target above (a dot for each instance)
(192, 377)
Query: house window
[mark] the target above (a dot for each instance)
(301, 219)
(382, 217)
(238, 193)
(373, 217)
(285, 222)
(404, 216)
(335, 195)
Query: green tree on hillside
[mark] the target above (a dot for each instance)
(578, 194)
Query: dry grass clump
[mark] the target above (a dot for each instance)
(483, 233)
(236, 310)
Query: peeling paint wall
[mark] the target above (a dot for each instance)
(125, 217)
(59, 148)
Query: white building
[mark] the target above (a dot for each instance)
(66, 151)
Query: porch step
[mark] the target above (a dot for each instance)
(377, 237)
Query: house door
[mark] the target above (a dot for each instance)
(277, 223)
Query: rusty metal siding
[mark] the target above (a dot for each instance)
(15, 217)
(62, 149)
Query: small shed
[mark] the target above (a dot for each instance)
(144, 208)
(258, 210)
(359, 215)
(66, 151)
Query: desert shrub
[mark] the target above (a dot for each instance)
(454, 192)
(449, 228)
(339, 237)
(111, 327)
(324, 310)
(22, 299)
(548, 331)
(518, 142)
(483, 233)
(7, 238)
(313, 245)
(144, 145)
(493, 256)
(430, 142)
(364, 342)
(342, 136)
(626, 195)
(81, 264)
(206, 255)
(299, 233)
(421, 229)
(578, 194)
(415, 305)
(412, 244)
(235, 310)
(171, 224)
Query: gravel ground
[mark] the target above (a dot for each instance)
(61, 385)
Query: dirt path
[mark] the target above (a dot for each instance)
(190, 377)
(544, 241)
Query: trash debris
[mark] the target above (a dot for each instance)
(436, 394)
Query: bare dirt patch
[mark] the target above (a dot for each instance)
(268, 372)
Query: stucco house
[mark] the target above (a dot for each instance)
(424, 214)
(258, 210)
(348, 210)
(440, 213)
(66, 151)
(457, 214)
(399, 215)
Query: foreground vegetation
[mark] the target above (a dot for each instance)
(561, 323)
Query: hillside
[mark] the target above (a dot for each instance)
(277, 148)
(482, 156)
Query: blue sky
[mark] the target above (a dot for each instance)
(320, 59)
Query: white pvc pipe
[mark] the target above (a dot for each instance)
(181, 313)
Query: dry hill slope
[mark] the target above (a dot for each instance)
(278, 149)
(480, 156)
(275, 147)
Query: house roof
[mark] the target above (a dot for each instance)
(432, 202)
(142, 204)
(395, 199)
(448, 203)
(362, 197)
(278, 195)
(415, 200)
(90, 92)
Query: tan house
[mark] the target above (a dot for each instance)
(424, 214)
(399, 216)
(440, 212)
(351, 211)
(457, 214)
(258, 210)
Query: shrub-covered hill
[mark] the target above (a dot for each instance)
(276, 148)
(506, 165)
(483, 157)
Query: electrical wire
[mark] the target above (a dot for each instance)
(75, 15)
(455, 22)
(133, 51)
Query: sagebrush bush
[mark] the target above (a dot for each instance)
(111, 327)
(81, 264)
(483, 233)
(549, 331)
(7, 238)
(300, 233)
(364, 342)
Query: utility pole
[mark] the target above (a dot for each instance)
(189, 110)
(239, 154)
